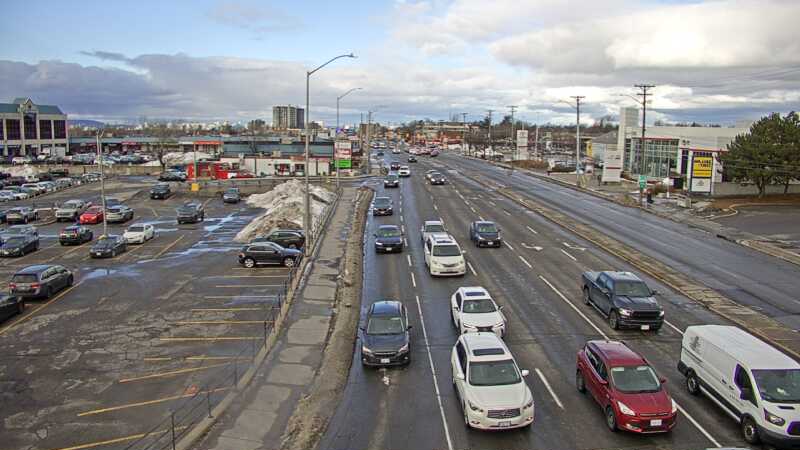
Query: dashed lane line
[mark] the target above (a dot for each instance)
(408, 257)
(168, 247)
(531, 230)
(171, 373)
(122, 439)
(473, 210)
(570, 256)
(549, 389)
(525, 261)
(471, 269)
(413, 280)
(509, 246)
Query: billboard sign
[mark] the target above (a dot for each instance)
(702, 166)
(343, 149)
(522, 138)
(612, 164)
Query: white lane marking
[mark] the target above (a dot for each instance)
(403, 229)
(531, 230)
(401, 218)
(441, 220)
(526, 262)
(509, 246)
(413, 280)
(473, 210)
(492, 203)
(574, 247)
(674, 328)
(580, 313)
(547, 385)
(466, 202)
(405, 242)
(471, 269)
(532, 247)
(570, 256)
(507, 213)
(435, 207)
(409, 260)
(401, 209)
(433, 371)
(697, 425)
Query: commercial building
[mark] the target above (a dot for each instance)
(28, 129)
(288, 117)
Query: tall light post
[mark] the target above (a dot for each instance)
(336, 158)
(513, 138)
(490, 111)
(307, 202)
(102, 182)
(464, 134)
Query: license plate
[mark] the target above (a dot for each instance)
(490, 243)
(98, 254)
(655, 423)
(384, 360)
(504, 424)
(388, 249)
(645, 327)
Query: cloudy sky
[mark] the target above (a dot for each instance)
(711, 61)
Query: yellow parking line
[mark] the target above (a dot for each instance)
(209, 338)
(213, 297)
(203, 310)
(73, 250)
(39, 308)
(118, 440)
(250, 276)
(157, 358)
(148, 402)
(217, 322)
(195, 358)
(167, 248)
(247, 285)
(170, 373)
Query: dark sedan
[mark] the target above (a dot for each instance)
(160, 191)
(382, 206)
(412, 159)
(19, 245)
(385, 340)
(485, 234)
(394, 165)
(231, 195)
(388, 238)
(268, 253)
(391, 181)
(75, 235)
(40, 281)
(10, 306)
(108, 247)
(438, 179)
(191, 212)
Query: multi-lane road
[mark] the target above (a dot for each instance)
(536, 277)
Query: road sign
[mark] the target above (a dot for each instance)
(642, 181)
(522, 138)
(345, 163)
(343, 149)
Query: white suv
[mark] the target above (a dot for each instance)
(404, 171)
(473, 310)
(443, 256)
(491, 387)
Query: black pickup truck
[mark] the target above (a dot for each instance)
(624, 299)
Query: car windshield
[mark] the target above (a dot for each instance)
(437, 228)
(382, 202)
(187, 209)
(94, 210)
(478, 306)
(105, 242)
(232, 192)
(493, 373)
(71, 205)
(136, 229)
(388, 232)
(14, 241)
(778, 386)
(446, 250)
(24, 278)
(487, 228)
(635, 379)
(631, 289)
(385, 325)
(391, 177)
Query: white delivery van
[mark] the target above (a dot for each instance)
(748, 379)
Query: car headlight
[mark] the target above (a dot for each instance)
(365, 350)
(623, 408)
(471, 327)
(625, 312)
(661, 313)
(403, 349)
(474, 407)
(674, 407)
(499, 325)
(529, 404)
(481, 238)
(773, 419)
(378, 244)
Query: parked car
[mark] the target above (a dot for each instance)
(231, 195)
(10, 306)
(108, 247)
(489, 384)
(119, 213)
(443, 256)
(71, 210)
(412, 159)
(112, 201)
(160, 191)
(7, 196)
(474, 311)
(624, 299)
(19, 194)
(434, 152)
(404, 171)
(284, 238)
(259, 253)
(34, 188)
(382, 206)
(630, 393)
(75, 235)
(747, 378)
(40, 281)
(91, 177)
(429, 227)
(19, 245)
(191, 212)
(21, 214)
(19, 229)
(437, 179)
(388, 238)
(19, 160)
(3, 212)
(385, 339)
(485, 234)
(391, 181)
(92, 215)
(171, 175)
(139, 233)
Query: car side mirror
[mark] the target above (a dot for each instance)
(662, 380)
(500, 307)
(463, 252)
(409, 327)
(460, 376)
(525, 372)
(362, 329)
(655, 292)
(374, 234)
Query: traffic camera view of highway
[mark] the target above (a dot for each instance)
(400, 225)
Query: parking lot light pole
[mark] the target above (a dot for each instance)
(307, 197)
(336, 158)
(102, 183)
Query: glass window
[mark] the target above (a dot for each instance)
(635, 379)
(13, 129)
(479, 306)
(385, 325)
(434, 228)
(487, 228)
(30, 126)
(493, 373)
(632, 289)
(45, 129)
(778, 385)
(24, 278)
(388, 232)
(462, 357)
(446, 250)
(59, 129)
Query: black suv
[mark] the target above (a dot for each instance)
(75, 235)
(268, 253)
(388, 238)
(10, 305)
(385, 340)
(284, 238)
(191, 212)
(160, 191)
(40, 281)
(485, 234)
(171, 175)
(391, 181)
(437, 178)
(382, 206)
(412, 159)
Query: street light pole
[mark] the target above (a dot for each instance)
(578, 99)
(513, 139)
(307, 197)
(102, 183)
(464, 134)
(335, 157)
(644, 94)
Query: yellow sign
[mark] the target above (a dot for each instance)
(195, 187)
(589, 151)
(702, 166)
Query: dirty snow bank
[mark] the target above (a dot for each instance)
(179, 158)
(20, 171)
(284, 208)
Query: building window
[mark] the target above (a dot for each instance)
(45, 129)
(12, 127)
(30, 126)
(60, 129)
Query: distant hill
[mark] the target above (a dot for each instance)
(86, 123)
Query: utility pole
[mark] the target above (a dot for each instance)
(643, 94)
(336, 135)
(536, 140)
(490, 111)
(369, 126)
(513, 139)
(102, 182)
(578, 99)
(464, 134)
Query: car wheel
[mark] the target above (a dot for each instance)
(25, 219)
(692, 383)
(21, 307)
(113, 253)
(288, 262)
(580, 383)
(750, 431)
(613, 320)
(70, 280)
(586, 297)
(611, 419)
(249, 263)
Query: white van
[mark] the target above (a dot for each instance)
(750, 380)
(443, 256)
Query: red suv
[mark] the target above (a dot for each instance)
(628, 390)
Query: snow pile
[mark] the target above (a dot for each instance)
(180, 158)
(284, 208)
(20, 171)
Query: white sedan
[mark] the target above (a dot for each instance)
(473, 310)
(404, 171)
(139, 233)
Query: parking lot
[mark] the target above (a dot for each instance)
(136, 334)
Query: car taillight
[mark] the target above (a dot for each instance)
(12, 285)
(34, 285)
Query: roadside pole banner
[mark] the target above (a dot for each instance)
(522, 138)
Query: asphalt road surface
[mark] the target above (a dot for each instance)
(781, 222)
(536, 277)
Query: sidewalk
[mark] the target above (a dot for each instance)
(258, 417)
